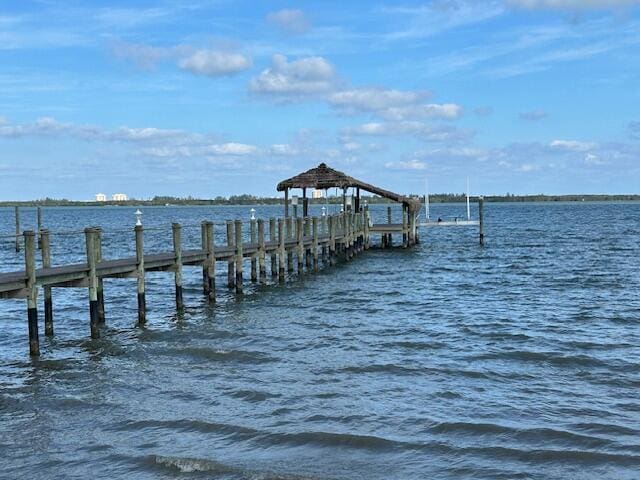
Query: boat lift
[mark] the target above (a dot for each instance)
(446, 223)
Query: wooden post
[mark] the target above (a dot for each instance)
(286, 202)
(389, 236)
(231, 269)
(101, 317)
(289, 227)
(481, 218)
(323, 232)
(332, 240)
(357, 199)
(272, 239)
(411, 232)
(142, 304)
(39, 221)
(281, 249)
(177, 264)
(261, 251)
(48, 303)
(367, 218)
(210, 264)
(314, 247)
(32, 291)
(254, 239)
(239, 258)
(307, 232)
(300, 242)
(404, 228)
(205, 279)
(92, 257)
(17, 215)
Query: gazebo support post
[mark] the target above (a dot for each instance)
(286, 202)
(305, 203)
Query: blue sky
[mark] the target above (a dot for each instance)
(208, 98)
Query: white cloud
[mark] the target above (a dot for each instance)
(572, 145)
(432, 18)
(528, 167)
(572, 4)
(213, 63)
(408, 165)
(391, 104)
(303, 77)
(292, 21)
(284, 150)
(533, 115)
(374, 99)
(591, 159)
(232, 149)
(423, 131)
(209, 62)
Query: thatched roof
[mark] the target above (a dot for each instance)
(323, 177)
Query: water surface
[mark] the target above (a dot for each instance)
(448, 360)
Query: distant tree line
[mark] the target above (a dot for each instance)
(246, 199)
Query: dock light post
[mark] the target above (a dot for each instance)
(341, 208)
(324, 211)
(349, 203)
(294, 202)
(138, 215)
(253, 213)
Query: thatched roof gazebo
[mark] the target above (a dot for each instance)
(323, 177)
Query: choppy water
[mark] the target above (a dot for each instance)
(517, 360)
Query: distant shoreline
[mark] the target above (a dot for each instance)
(251, 200)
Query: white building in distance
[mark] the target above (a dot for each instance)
(101, 197)
(119, 197)
(317, 194)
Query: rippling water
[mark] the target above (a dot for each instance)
(517, 360)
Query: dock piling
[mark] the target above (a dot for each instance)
(405, 227)
(48, 303)
(39, 221)
(314, 245)
(261, 251)
(231, 270)
(92, 277)
(239, 257)
(300, 243)
(17, 217)
(210, 262)
(32, 291)
(307, 252)
(272, 239)
(101, 313)
(481, 219)
(142, 303)
(177, 264)
(289, 233)
(205, 277)
(281, 248)
(253, 240)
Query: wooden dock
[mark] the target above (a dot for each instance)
(311, 240)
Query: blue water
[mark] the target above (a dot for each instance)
(517, 360)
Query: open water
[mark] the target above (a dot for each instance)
(519, 360)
